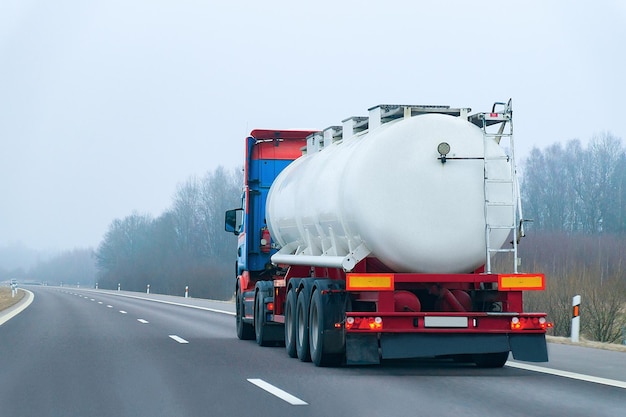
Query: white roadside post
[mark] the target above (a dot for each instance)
(148, 289)
(575, 318)
(96, 285)
(119, 286)
(187, 291)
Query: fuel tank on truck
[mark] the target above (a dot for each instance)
(388, 192)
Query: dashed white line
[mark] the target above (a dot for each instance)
(178, 339)
(100, 302)
(567, 374)
(123, 312)
(143, 321)
(214, 310)
(109, 306)
(283, 395)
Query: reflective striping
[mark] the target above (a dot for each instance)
(567, 374)
(178, 339)
(283, 395)
(369, 282)
(521, 282)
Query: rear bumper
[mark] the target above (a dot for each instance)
(368, 349)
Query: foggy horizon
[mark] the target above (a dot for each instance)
(105, 107)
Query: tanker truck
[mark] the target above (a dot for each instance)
(389, 236)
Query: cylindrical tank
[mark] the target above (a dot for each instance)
(388, 190)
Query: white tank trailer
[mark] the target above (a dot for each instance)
(410, 185)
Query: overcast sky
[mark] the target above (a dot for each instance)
(107, 105)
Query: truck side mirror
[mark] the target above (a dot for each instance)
(233, 221)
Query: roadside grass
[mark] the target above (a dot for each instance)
(6, 300)
(586, 343)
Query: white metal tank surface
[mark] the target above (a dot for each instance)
(386, 192)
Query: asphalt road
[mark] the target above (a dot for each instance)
(75, 352)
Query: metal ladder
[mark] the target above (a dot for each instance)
(498, 126)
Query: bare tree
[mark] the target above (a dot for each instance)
(573, 189)
(590, 266)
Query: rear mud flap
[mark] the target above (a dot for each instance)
(529, 347)
(362, 349)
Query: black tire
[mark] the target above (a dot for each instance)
(316, 333)
(491, 360)
(259, 320)
(290, 323)
(302, 327)
(245, 331)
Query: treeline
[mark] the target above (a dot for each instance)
(75, 267)
(576, 197)
(185, 246)
(577, 190)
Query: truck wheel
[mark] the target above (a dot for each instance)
(302, 327)
(316, 333)
(491, 360)
(290, 323)
(259, 320)
(245, 331)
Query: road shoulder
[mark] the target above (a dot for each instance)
(8, 313)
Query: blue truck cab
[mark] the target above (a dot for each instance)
(267, 153)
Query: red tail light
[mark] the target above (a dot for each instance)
(364, 323)
(529, 323)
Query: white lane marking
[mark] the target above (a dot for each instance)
(123, 312)
(283, 395)
(214, 310)
(567, 374)
(178, 339)
(17, 308)
(143, 321)
(93, 299)
(100, 302)
(109, 306)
